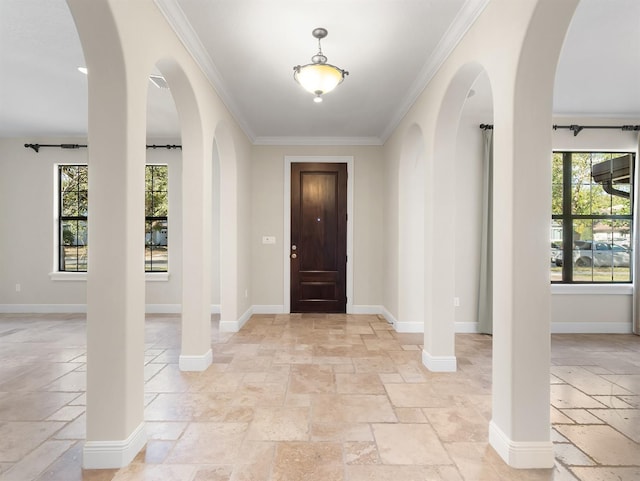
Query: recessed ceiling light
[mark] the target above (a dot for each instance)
(84, 70)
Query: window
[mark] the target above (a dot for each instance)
(72, 218)
(73, 211)
(591, 217)
(156, 208)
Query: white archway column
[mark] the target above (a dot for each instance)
(115, 280)
(520, 427)
(196, 354)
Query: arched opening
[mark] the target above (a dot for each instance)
(411, 228)
(472, 185)
(215, 229)
(444, 200)
(163, 199)
(228, 208)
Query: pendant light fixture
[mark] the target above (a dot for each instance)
(319, 77)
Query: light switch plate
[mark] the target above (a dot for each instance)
(268, 239)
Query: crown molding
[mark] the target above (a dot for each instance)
(317, 141)
(178, 22)
(465, 18)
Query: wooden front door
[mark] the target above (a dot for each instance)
(318, 248)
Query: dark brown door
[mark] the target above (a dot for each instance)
(318, 237)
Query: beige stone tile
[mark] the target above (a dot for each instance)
(556, 437)
(280, 424)
(17, 439)
(630, 382)
(38, 376)
(352, 408)
(76, 429)
(582, 416)
(391, 377)
(308, 461)
(454, 424)
(586, 381)
(311, 378)
(388, 473)
(74, 381)
(409, 444)
(557, 417)
(627, 421)
(417, 395)
(571, 456)
(32, 406)
(155, 472)
(213, 473)
(564, 396)
(34, 463)
(473, 460)
(341, 432)
(616, 402)
(154, 452)
(169, 379)
(256, 462)
(379, 364)
(607, 474)
(209, 443)
(602, 443)
(362, 383)
(167, 431)
(361, 453)
(260, 394)
(67, 413)
(410, 415)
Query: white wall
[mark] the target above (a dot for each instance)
(267, 178)
(27, 242)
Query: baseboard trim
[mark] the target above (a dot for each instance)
(364, 309)
(268, 309)
(235, 326)
(591, 328)
(43, 308)
(388, 316)
(414, 327)
(439, 363)
(466, 327)
(521, 455)
(195, 363)
(113, 454)
(163, 308)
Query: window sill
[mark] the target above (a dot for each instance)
(592, 289)
(82, 276)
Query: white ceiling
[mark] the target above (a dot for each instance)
(248, 48)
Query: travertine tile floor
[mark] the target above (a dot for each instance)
(312, 398)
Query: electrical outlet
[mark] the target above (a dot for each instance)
(18, 287)
(456, 302)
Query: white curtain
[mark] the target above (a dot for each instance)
(636, 246)
(485, 294)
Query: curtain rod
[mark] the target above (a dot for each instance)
(576, 129)
(37, 147)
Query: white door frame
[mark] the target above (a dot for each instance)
(288, 160)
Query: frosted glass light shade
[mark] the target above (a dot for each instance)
(318, 78)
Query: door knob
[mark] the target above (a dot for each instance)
(294, 255)
(294, 247)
